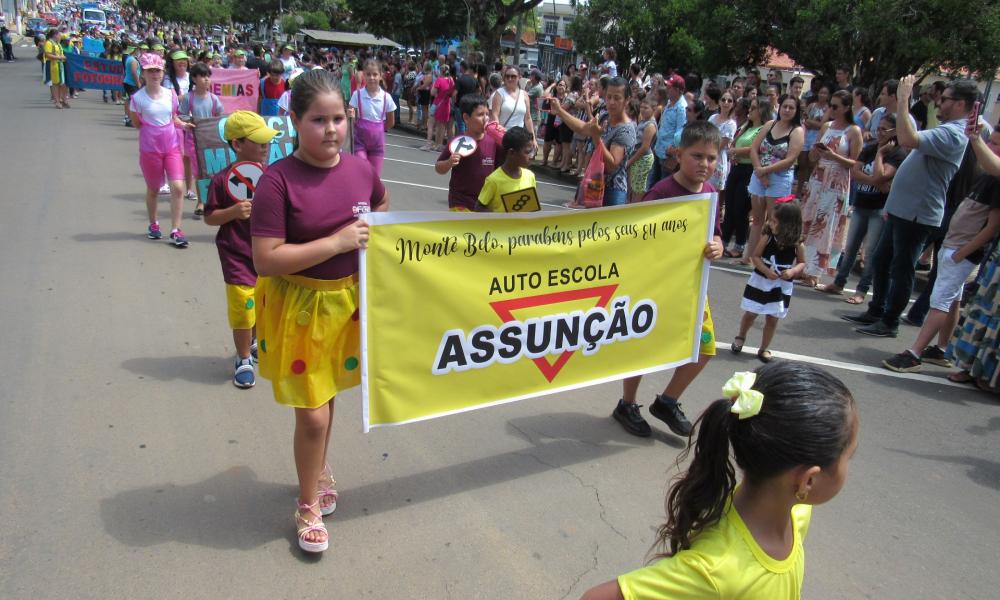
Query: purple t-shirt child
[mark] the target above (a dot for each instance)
(468, 178)
(301, 203)
(233, 238)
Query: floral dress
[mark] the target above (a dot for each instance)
(976, 340)
(825, 206)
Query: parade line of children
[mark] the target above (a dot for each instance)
(290, 267)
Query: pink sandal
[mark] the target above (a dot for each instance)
(327, 491)
(306, 527)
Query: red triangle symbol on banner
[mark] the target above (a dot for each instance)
(504, 310)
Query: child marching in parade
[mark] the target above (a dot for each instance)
(199, 102)
(154, 112)
(376, 114)
(250, 138)
(306, 229)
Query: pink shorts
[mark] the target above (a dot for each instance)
(153, 165)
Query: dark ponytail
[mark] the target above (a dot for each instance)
(807, 418)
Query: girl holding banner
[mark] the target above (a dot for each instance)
(306, 234)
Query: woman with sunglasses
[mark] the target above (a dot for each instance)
(873, 171)
(510, 106)
(724, 120)
(825, 204)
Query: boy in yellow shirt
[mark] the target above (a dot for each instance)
(513, 176)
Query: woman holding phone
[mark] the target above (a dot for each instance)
(825, 203)
(773, 154)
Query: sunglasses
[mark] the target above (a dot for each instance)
(510, 76)
(726, 100)
(835, 106)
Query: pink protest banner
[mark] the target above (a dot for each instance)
(237, 88)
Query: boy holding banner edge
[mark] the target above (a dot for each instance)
(697, 156)
(250, 138)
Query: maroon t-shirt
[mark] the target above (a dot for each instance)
(233, 239)
(668, 188)
(468, 177)
(301, 203)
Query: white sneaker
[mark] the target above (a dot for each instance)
(165, 190)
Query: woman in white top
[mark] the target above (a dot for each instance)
(509, 106)
(726, 123)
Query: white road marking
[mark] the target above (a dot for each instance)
(409, 162)
(836, 364)
(748, 271)
(430, 187)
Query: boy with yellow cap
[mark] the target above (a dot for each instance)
(250, 138)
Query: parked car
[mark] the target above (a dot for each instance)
(50, 18)
(35, 26)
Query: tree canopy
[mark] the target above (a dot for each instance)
(878, 39)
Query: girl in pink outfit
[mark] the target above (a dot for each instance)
(154, 113)
(441, 93)
(375, 112)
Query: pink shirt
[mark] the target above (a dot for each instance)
(301, 203)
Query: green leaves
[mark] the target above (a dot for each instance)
(880, 39)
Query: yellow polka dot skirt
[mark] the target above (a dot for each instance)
(309, 337)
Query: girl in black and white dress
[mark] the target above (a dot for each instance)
(778, 259)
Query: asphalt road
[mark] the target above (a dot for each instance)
(130, 467)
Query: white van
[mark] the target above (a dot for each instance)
(95, 16)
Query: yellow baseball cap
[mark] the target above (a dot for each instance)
(250, 125)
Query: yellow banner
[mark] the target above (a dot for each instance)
(462, 311)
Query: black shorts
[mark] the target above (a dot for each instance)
(130, 90)
(424, 98)
(565, 134)
(551, 131)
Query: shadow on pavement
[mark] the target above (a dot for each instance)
(587, 429)
(946, 393)
(822, 328)
(210, 370)
(232, 510)
(990, 427)
(981, 471)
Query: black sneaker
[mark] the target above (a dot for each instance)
(878, 329)
(935, 356)
(631, 419)
(906, 319)
(903, 362)
(671, 414)
(862, 319)
(923, 268)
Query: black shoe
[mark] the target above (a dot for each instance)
(862, 319)
(935, 356)
(671, 414)
(903, 362)
(878, 329)
(906, 319)
(631, 419)
(923, 268)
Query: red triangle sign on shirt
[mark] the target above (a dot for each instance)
(504, 310)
